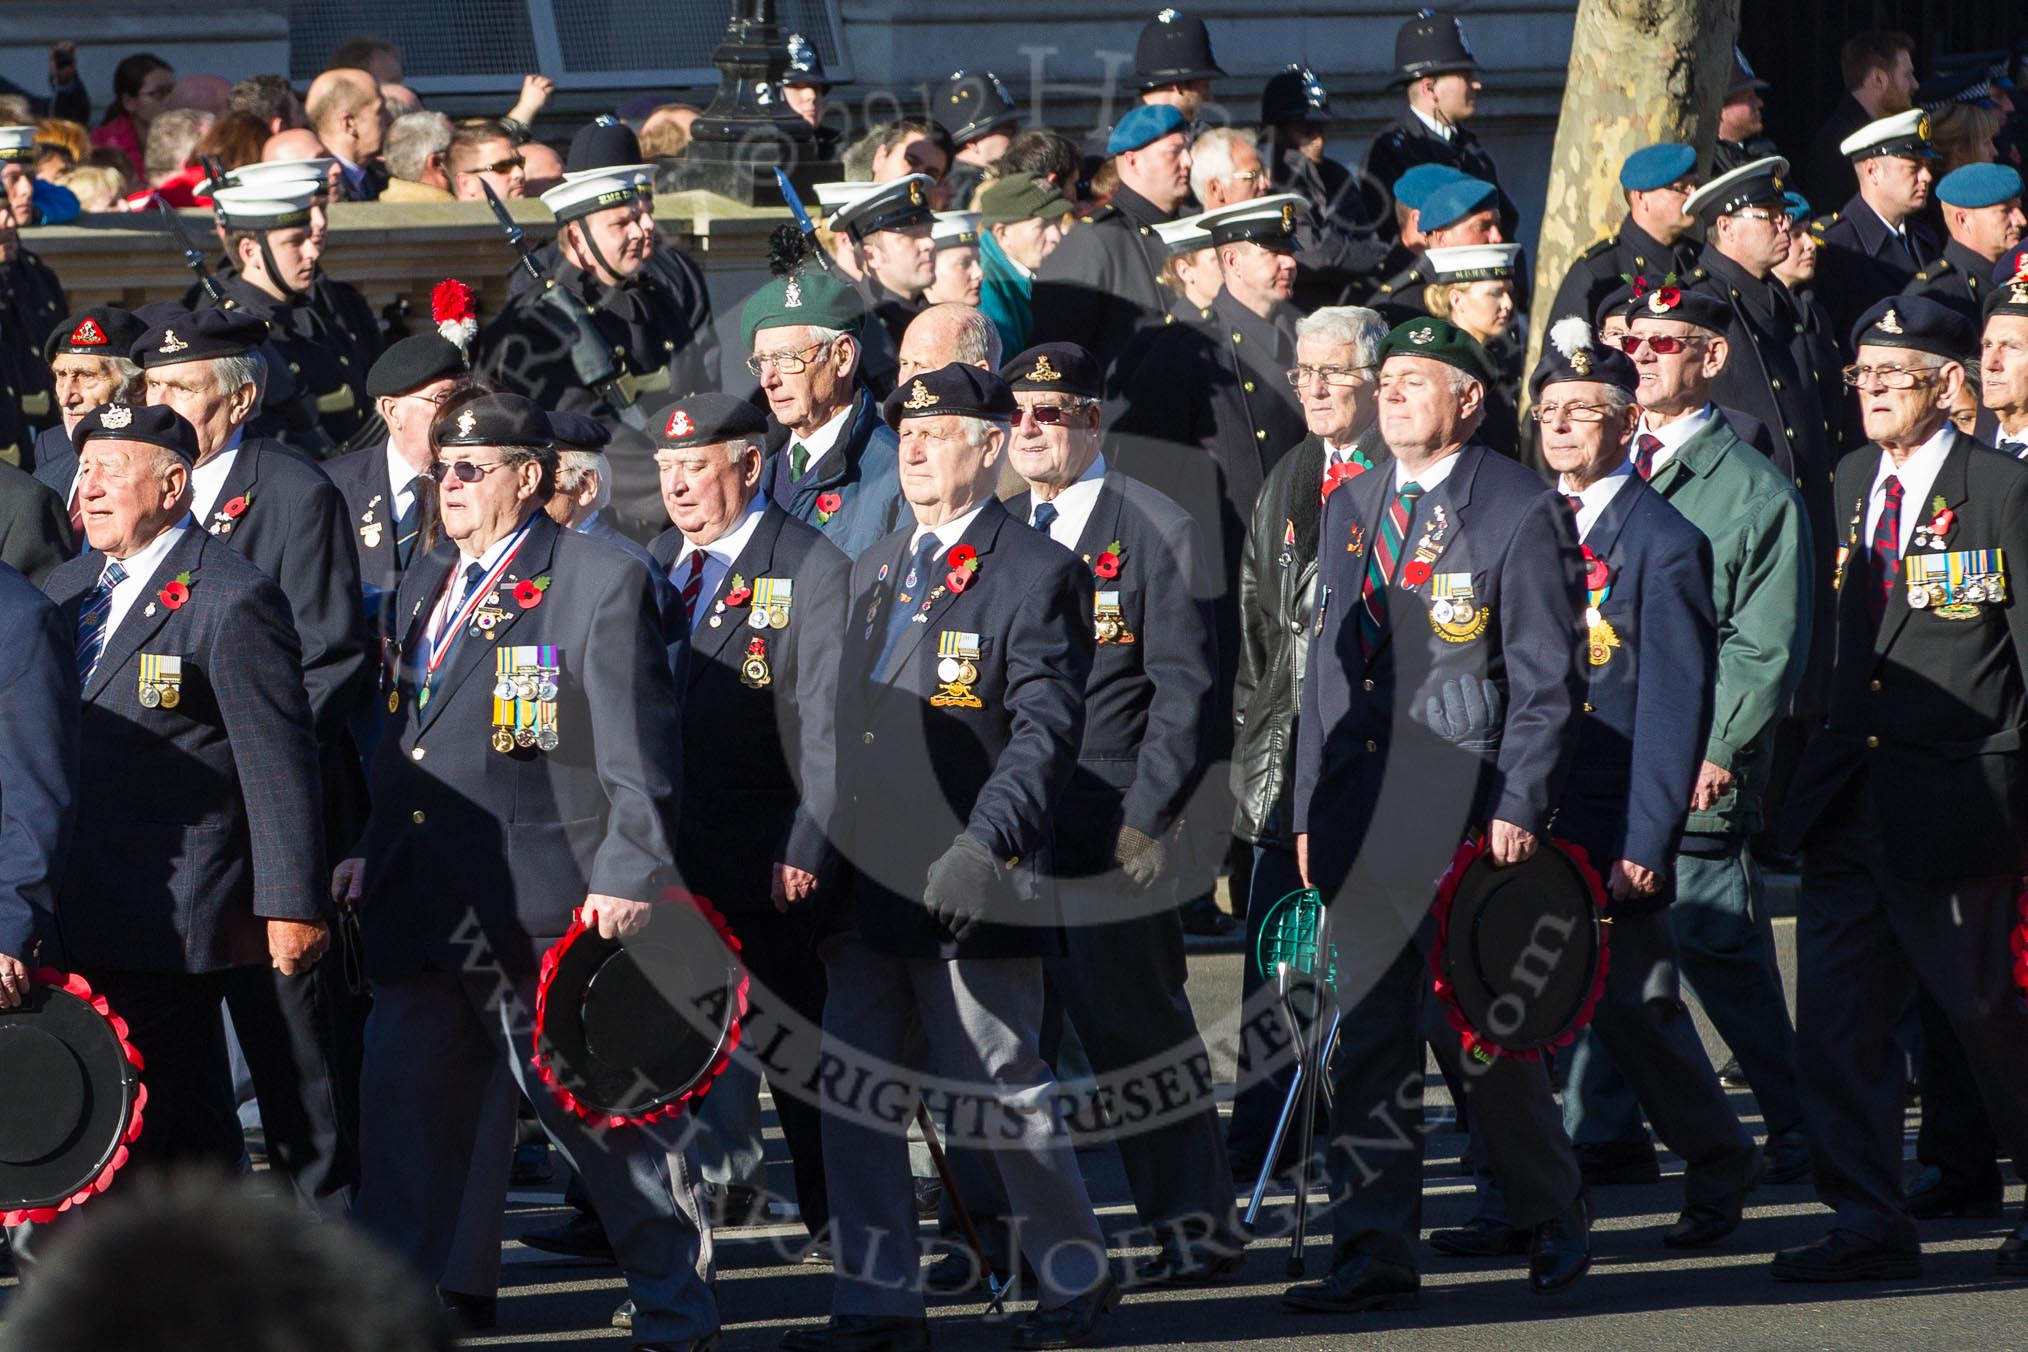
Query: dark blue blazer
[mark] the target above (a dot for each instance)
(1647, 707)
(361, 479)
(468, 845)
(1148, 706)
(38, 761)
(201, 822)
(913, 774)
(760, 769)
(34, 527)
(55, 460)
(1372, 772)
(863, 469)
(668, 601)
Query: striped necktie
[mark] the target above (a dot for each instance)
(1886, 550)
(411, 523)
(1380, 568)
(92, 617)
(693, 586)
(1646, 446)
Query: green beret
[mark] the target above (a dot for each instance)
(1439, 340)
(813, 298)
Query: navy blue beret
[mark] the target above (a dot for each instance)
(966, 391)
(1918, 324)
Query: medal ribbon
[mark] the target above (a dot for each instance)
(453, 626)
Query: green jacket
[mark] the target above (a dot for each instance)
(1004, 293)
(1760, 582)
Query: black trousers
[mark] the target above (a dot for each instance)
(173, 1020)
(1867, 939)
(291, 1029)
(1955, 1136)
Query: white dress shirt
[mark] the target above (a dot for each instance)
(718, 558)
(1917, 474)
(1596, 496)
(1428, 478)
(140, 573)
(1675, 434)
(1443, 131)
(2012, 443)
(400, 474)
(947, 534)
(1073, 506)
(207, 481)
(454, 592)
(820, 442)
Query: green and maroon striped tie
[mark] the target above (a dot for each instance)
(1380, 568)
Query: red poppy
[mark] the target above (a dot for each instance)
(1416, 573)
(1668, 298)
(1107, 566)
(962, 556)
(828, 503)
(526, 594)
(758, 647)
(234, 508)
(1640, 287)
(957, 580)
(1943, 523)
(1596, 571)
(1339, 473)
(739, 596)
(173, 595)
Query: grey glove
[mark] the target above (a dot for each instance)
(1467, 715)
(1140, 855)
(959, 888)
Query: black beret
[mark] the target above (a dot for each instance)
(1573, 352)
(413, 363)
(1918, 324)
(601, 144)
(154, 424)
(1618, 301)
(493, 420)
(1691, 304)
(200, 335)
(100, 331)
(1063, 368)
(707, 420)
(577, 432)
(966, 391)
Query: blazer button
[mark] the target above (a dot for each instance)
(868, 739)
(1248, 387)
(1295, 626)
(417, 754)
(1366, 684)
(1372, 746)
(1774, 384)
(1873, 685)
(1260, 435)
(416, 817)
(1588, 709)
(1872, 743)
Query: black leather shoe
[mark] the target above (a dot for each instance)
(1071, 1324)
(956, 1273)
(734, 1204)
(623, 1314)
(1618, 1164)
(1788, 1157)
(1480, 1238)
(1355, 1285)
(467, 1313)
(1184, 1264)
(1705, 1223)
(1559, 1252)
(1842, 1256)
(860, 1333)
(579, 1237)
(2012, 1259)
(1933, 1196)
(708, 1343)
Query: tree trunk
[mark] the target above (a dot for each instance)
(1641, 71)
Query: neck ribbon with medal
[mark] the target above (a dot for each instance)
(1598, 585)
(457, 623)
(1454, 610)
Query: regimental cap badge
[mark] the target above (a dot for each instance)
(466, 422)
(1043, 371)
(919, 397)
(1922, 126)
(915, 194)
(1580, 362)
(1422, 335)
(1890, 322)
(88, 334)
(170, 342)
(679, 425)
(1168, 16)
(1288, 218)
(792, 295)
(116, 416)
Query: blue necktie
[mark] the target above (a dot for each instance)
(92, 617)
(1045, 517)
(915, 584)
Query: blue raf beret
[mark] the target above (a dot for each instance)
(1456, 200)
(1918, 324)
(1415, 185)
(1657, 166)
(1143, 126)
(1797, 205)
(1979, 185)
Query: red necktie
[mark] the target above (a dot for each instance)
(693, 586)
(1645, 447)
(77, 535)
(1886, 550)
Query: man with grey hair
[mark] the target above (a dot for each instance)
(89, 365)
(1225, 168)
(279, 512)
(584, 489)
(416, 155)
(172, 138)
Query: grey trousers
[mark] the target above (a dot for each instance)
(432, 1044)
(977, 1019)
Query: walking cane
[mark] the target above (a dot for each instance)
(995, 1287)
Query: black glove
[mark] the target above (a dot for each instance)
(1140, 855)
(1468, 715)
(960, 887)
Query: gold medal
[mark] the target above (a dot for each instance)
(503, 740)
(1603, 641)
(778, 618)
(394, 701)
(171, 697)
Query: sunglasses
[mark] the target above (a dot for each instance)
(1663, 344)
(1047, 415)
(511, 163)
(467, 471)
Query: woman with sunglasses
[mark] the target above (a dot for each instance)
(1474, 289)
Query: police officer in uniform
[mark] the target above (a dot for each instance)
(805, 86)
(603, 268)
(979, 113)
(1908, 805)
(31, 306)
(1653, 240)
(1436, 68)
(1982, 213)
(1342, 249)
(891, 227)
(1875, 244)
(1173, 64)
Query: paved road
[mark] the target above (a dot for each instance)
(1638, 1294)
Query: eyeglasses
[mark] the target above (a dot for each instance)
(1340, 376)
(1665, 345)
(786, 363)
(467, 471)
(1577, 413)
(1249, 175)
(1048, 415)
(1779, 219)
(1888, 377)
(508, 165)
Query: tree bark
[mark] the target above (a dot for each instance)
(1641, 71)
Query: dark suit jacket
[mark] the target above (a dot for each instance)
(1862, 261)
(760, 761)
(1927, 716)
(34, 527)
(912, 774)
(55, 460)
(1647, 710)
(467, 844)
(1369, 766)
(361, 479)
(38, 762)
(321, 356)
(1149, 704)
(199, 822)
(675, 622)
(1098, 289)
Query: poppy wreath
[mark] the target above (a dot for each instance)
(79, 987)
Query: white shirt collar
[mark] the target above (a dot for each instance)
(1443, 132)
(1676, 433)
(950, 532)
(207, 481)
(140, 570)
(494, 552)
(820, 442)
(728, 546)
(1074, 505)
(1427, 478)
(1597, 495)
(400, 474)
(1917, 475)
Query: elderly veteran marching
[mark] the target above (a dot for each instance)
(530, 775)
(1440, 703)
(968, 647)
(1929, 687)
(89, 365)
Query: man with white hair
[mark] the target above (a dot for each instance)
(417, 154)
(1226, 168)
(89, 363)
